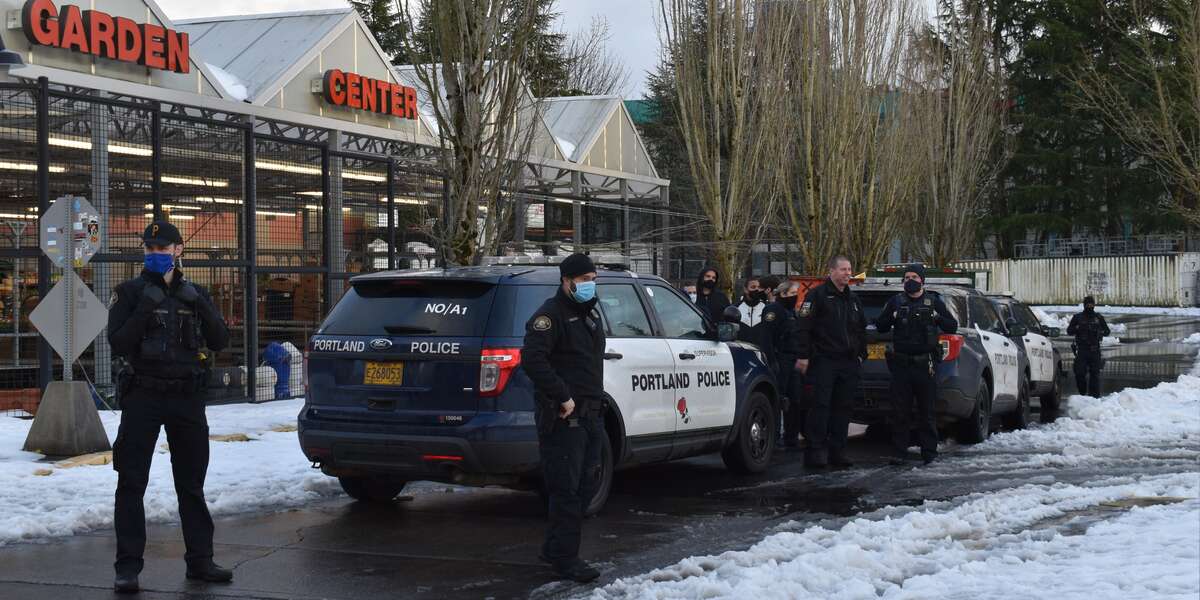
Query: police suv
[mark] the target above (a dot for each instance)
(416, 375)
(983, 373)
(1045, 364)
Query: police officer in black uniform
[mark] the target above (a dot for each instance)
(918, 317)
(832, 345)
(780, 314)
(1089, 329)
(564, 357)
(159, 325)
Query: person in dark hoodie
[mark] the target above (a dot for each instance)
(708, 298)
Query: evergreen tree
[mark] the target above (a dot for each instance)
(547, 65)
(386, 25)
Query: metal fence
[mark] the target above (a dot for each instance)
(1122, 246)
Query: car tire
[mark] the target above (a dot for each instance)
(1023, 416)
(977, 427)
(600, 498)
(1051, 402)
(754, 444)
(370, 489)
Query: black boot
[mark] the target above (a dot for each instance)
(815, 458)
(126, 584)
(577, 571)
(929, 457)
(210, 572)
(837, 458)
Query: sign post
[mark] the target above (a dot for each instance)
(69, 318)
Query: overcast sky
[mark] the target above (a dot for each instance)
(635, 38)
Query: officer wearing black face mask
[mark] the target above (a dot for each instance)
(918, 317)
(159, 325)
(1089, 329)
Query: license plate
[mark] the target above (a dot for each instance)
(384, 373)
(876, 351)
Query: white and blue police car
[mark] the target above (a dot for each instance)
(416, 375)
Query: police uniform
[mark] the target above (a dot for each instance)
(1089, 329)
(831, 333)
(563, 355)
(160, 331)
(915, 354)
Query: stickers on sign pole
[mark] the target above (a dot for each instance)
(74, 217)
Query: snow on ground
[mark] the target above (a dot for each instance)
(267, 472)
(1191, 339)
(1127, 310)
(1019, 542)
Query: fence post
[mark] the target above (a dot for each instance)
(156, 160)
(45, 358)
(250, 246)
(391, 216)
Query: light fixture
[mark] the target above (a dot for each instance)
(364, 177)
(79, 144)
(211, 200)
(175, 207)
(16, 216)
(274, 165)
(272, 213)
(192, 181)
(27, 166)
(8, 58)
(173, 217)
(312, 194)
(130, 150)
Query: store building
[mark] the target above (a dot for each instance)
(287, 149)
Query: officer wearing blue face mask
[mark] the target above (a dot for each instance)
(564, 357)
(160, 325)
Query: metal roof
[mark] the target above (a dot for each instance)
(260, 49)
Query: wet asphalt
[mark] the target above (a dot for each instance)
(448, 542)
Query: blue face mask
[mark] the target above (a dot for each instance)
(159, 263)
(585, 291)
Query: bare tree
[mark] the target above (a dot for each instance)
(1166, 129)
(851, 168)
(949, 86)
(471, 59)
(730, 59)
(594, 69)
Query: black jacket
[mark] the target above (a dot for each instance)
(1089, 330)
(714, 303)
(917, 321)
(564, 354)
(775, 335)
(831, 324)
(164, 339)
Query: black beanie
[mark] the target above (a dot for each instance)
(917, 268)
(575, 265)
(1089, 300)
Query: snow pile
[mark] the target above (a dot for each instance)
(982, 545)
(229, 82)
(1128, 310)
(268, 471)
(1191, 339)
(1051, 320)
(1110, 341)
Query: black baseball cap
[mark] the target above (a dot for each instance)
(161, 233)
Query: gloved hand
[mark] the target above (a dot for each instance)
(152, 296)
(187, 292)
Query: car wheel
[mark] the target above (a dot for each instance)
(603, 488)
(1051, 402)
(1023, 416)
(976, 428)
(751, 450)
(370, 489)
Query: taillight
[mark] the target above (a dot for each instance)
(495, 367)
(951, 346)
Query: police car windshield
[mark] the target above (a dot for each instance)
(412, 307)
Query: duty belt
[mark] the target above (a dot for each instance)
(160, 384)
(912, 359)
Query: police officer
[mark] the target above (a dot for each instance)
(781, 312)
(564, 357)
(918, 316)
(831, 342)
(159, 325)
(1089, 329)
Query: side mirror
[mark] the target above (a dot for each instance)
(731, 315)
(1053, 332)
(1015, 328)
(727, 332)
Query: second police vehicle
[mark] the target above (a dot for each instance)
(416, 375)
(984, 373)
(1046, 370)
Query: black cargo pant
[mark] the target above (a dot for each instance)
(914, 388)
(143, 412)
(835, 382)
(793, 422)
(570, 453)
(1087, 372)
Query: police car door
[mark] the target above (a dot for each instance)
(1002, 353)
(1038, 347)
(633, 356)
(704, 387)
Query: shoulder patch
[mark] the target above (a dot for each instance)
(928, 302)
(542, 323)
(806, 309)
(769, 316)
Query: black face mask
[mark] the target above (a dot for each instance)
(912, 286)
(788, 302)
(708, 284)
(752, 298)
(1089, 308)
